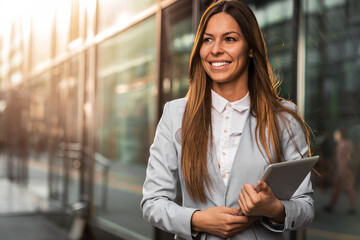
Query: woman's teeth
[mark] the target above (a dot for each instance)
(219, 64)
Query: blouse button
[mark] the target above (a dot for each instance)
(223, 175)
(227, 117)
(225, 131)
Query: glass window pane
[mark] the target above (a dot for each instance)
(119, 12)
(57, 124)
(276, 22)
(62, 17)
(332, 102)
(126, 84)
(41, 35)
(39, 155)
(16, 54)
(177, 41)
(15, 135)
(72, 130)
(2, 62)
(63, 123)
(90, 12)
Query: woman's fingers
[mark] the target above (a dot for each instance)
(240, 225)
(243, 204)
(242, 211)
(250, 193)
(231, 211)
(248, 199)
(259, 200)
(262, 186)
(220, 221)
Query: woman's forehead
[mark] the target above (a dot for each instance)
(222, 23)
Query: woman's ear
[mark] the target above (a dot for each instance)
(251, 53)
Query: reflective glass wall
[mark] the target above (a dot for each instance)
(38, 138)
(126, 81)
(86, 81)
(177, 39)
(332, 109)
(331, 104)
(276, 20)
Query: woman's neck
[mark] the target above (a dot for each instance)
(231, 92)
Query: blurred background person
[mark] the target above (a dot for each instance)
(326, 162)
(345, 173)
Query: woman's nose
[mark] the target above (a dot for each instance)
(217, 48)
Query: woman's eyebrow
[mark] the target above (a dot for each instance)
(224, 34)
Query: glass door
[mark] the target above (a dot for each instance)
(65, 146)
(38, 135)
(57, 132)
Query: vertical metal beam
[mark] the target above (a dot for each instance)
(67, 125)
(298, 80)
(92, 66)
(157, 234)
(50, 142)
(92, 128)
(196, 14)
(300, 93)
(158, 85)
(294, 52)
(81, 125)
(81, 100)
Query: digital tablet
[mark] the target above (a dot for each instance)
(285, 177)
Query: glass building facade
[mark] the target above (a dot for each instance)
(82, 86)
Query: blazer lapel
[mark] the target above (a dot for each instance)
(218, 186)
(246, 137)
(248, 164)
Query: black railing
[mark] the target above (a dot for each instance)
(72, 152)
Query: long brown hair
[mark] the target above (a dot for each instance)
(265, 103)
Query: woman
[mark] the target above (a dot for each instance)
(219, 139)
(345, 173)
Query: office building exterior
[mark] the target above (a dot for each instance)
(83, 83)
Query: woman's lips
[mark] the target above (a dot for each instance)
(219, 65)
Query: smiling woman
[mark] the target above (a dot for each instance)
(225, 56)
(219, 139)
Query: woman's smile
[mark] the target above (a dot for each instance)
(219, 65)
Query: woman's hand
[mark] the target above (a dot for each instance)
(220, 221)
(261, 202)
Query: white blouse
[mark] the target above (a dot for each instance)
(228, 119)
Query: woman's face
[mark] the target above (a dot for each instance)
(224, 52)
(337, 136)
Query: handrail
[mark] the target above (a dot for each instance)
(74, 151)
(105, 162)
(101, 159)
(70, 146)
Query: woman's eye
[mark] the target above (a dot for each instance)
(206, 39)
(230, 39)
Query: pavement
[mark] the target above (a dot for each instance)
(22, 215)
(337, 225)
(21, 208)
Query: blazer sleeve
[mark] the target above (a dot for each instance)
(159, 189)
(299, 209)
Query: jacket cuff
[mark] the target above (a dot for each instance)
(188, 212)
(290, 218)
(271, 225)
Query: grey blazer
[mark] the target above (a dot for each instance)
(163, 173)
